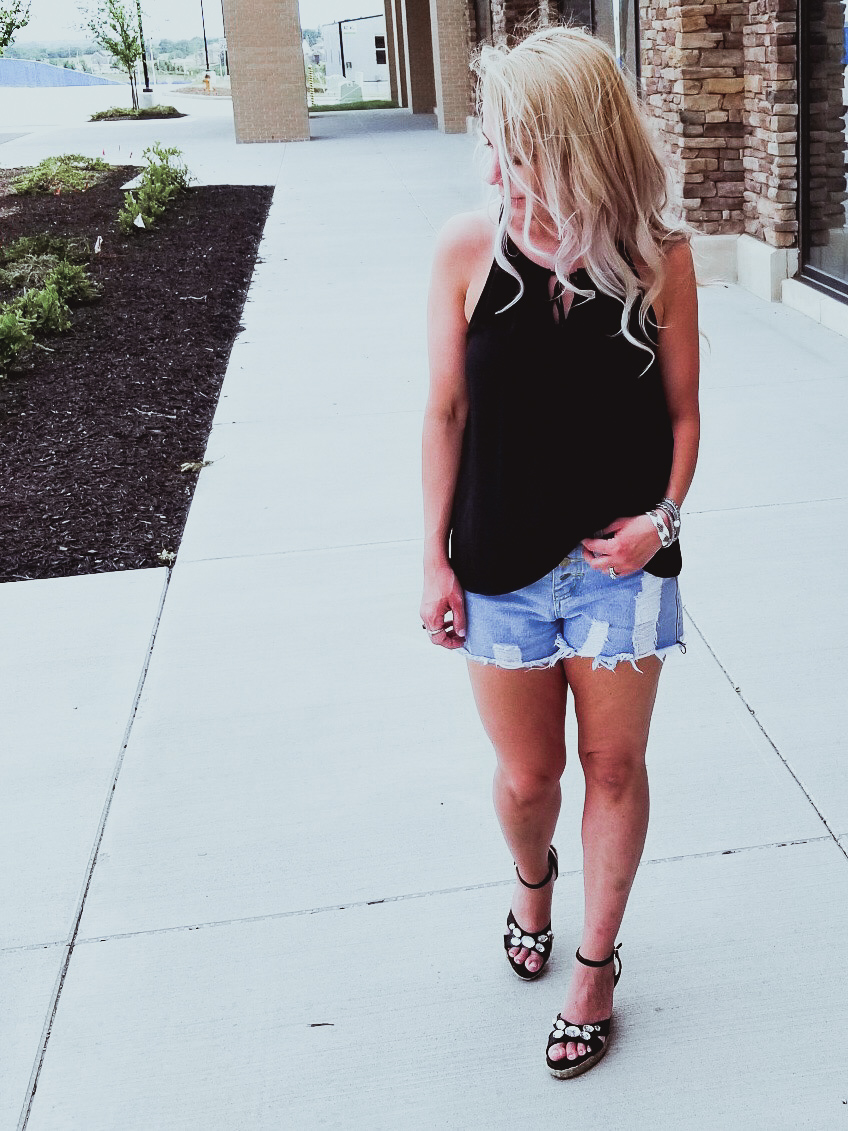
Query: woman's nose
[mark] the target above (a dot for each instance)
(494, 177)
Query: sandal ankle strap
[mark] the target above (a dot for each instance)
(553, 870)
(603, 961)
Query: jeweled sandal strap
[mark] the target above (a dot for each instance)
(515, 935)
(589, 1034)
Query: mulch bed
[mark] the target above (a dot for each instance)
(92, 434)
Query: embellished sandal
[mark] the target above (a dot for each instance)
(541, 941)
(589, 1034)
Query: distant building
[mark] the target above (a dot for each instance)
(357, 48)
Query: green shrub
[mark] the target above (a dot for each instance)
(76, 249)
(120, 113)
(163, 179)
(44, 309)
(15, 335)
(72, 172)
(73, 283)
(28, 271)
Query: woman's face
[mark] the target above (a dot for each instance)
(495, 175)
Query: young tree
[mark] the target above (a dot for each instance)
(112, 28)
(14, 14)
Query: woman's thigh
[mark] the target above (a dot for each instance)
(523, 713)
(613, 707)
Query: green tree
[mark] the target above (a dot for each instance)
(14, 14)
(113, 28)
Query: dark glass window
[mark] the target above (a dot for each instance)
(823, 200)
(379, 41)
(381, 56)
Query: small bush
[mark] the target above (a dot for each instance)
(76, 249)
(45, 309)
(72, 283)
(15, 335)
(71, 172)
(28, 271)
(163, 179)
(121, 113)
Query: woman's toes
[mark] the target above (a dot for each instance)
(521, 955)
(571, 1050)
(557, 1052)
(533, 962)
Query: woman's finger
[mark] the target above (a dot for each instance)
(457, 605)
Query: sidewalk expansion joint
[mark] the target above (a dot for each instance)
(767, 506)
(101, 828)
(305, 550)
(833, 835)
(355, 905)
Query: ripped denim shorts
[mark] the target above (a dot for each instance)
(576, 611)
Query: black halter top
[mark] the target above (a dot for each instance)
(567, 430)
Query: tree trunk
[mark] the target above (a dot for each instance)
(132, 88)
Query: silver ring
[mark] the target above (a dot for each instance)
(612, 573)
(432, 631)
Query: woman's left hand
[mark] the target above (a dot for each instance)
(632, 544)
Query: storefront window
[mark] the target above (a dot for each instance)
(824, 144)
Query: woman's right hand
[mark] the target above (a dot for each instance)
(443, 607)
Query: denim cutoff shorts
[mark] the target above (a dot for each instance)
(576, 611)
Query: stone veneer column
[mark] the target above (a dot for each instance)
(692, 75)
(418, 47)
(771, 114)
(267, 73)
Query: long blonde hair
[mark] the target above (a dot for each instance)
(562, 108)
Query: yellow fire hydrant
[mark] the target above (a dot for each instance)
(207, 84)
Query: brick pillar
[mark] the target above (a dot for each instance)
(418, 45)
(391, 57)
(771, 110)
(266, 70)
(399, 40)
(449, 29)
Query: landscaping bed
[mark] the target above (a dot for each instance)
(142, 114)
(93, 433)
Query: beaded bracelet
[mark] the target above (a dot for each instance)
(673, 511)
(666, 536)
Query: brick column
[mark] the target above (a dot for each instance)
(267, 73)
(418, 45)
(771, 113)
(391, 57)
(449, 27)
(399, 39)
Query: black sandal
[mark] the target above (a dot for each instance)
(541, 941)
(588, 1034)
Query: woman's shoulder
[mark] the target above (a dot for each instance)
(463, 242)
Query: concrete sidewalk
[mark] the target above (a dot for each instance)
(254, 880)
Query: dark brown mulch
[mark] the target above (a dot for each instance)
(92, 434)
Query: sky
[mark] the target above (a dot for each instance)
(176, 19)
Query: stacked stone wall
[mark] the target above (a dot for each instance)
(771, 114)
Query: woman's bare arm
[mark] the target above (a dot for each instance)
(444, 421)
(635, 540)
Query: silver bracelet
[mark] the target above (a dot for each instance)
(666, 537)
(673, 511)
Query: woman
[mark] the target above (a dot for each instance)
(560, 439)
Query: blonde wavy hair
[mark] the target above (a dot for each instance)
(572, 138)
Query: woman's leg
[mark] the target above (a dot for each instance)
(613, 718)
(523, 713)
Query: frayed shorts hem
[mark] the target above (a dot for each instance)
(565, 652)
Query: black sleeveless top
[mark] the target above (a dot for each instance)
(563, 435)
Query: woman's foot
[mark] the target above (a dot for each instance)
(589, 1000)
(531, 908)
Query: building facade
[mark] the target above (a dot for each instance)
(750, 96)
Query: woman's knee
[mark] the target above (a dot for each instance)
(615, 771)
(530, 787)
